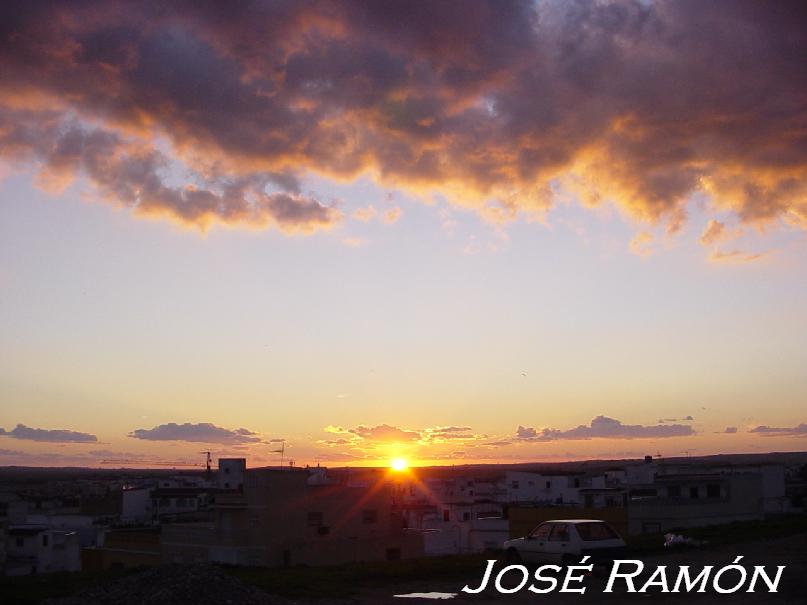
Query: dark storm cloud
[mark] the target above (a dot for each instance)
(493, 103)
(48, 435)
(203, 432)
(131, 175)
(603, 427)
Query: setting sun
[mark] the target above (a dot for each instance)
(399, 464)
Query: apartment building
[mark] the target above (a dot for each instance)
(286, 517)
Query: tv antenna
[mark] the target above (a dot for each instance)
(281, 451)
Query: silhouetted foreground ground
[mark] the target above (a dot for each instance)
(378, 582)
(174, 584)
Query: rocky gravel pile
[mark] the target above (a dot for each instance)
(173, 585)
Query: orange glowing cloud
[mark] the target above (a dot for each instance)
(498, 106)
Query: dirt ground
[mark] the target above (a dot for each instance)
(791, 551)
(207, 584)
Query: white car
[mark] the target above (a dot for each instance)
(566, 541)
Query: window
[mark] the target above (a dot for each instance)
(693, 492)
(369, 515)
(713, 490)
(560, 533)
(44, 539)
(20, 542)
(446, 515)
(595, 531)
(674, 491)
(577, 482)
(466, 516)
(314, 519)
(542, 531)
(548, 484)
(514, 484)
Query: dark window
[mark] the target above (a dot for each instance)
(369, 515)
(44, 539)
(466, 516)
(227, 471)
(595, 531)
(20, 542)
(713, 490)
(514, 484)
(693, 493)
(314, 519)
(446, 515)
(548, 484)
(560, 533)
(542, 531)
(674, 491)
(577, 482)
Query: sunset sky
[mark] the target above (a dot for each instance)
(446, 231)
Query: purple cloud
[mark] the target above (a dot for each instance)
(793, 431)
(603, 427)
(48, 435)
(203, 432)
(493, 103)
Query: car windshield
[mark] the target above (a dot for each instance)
(595, 531)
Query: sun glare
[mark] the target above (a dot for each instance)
(399, 464)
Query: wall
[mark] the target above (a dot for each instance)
(742, 502)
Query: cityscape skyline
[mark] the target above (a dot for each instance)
(544, 231)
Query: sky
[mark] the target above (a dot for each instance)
(450, 232)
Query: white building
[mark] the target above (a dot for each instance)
(231, 473)
(550, 489)
(454, 515)
(34, 549)
(136, 505)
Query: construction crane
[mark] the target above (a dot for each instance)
(207, 464)
(145, 462)
(208, 460)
